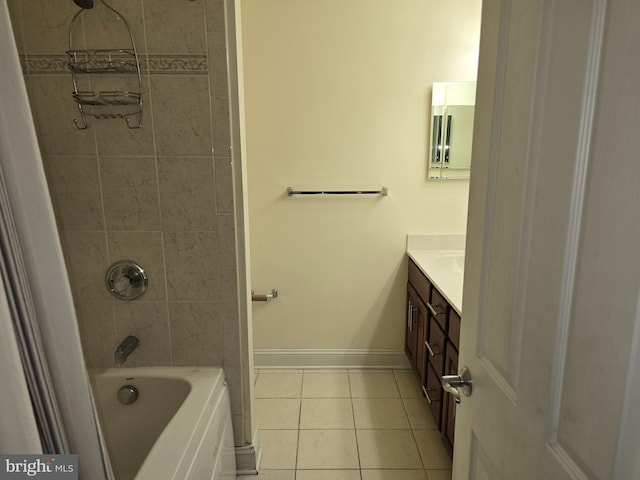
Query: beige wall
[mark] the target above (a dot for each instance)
(337, 97)
(161, 195)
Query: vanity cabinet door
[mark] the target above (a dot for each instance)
(448, 402)
(411, 326)
(416, 331)
(421, 334)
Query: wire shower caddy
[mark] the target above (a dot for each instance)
(118, 65)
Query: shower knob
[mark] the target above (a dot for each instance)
(126, 280)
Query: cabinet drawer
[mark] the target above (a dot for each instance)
(433, 393)
(440, 308)
(435, 346)
(419, 281)
(454, 329)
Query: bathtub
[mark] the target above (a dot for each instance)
(179, 428)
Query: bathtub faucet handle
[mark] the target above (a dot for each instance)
(125, 349)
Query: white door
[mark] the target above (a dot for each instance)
(551, 320)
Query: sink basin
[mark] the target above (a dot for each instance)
(453, 261)
(445, 269)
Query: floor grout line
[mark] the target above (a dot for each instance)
(295, 473)
(355, 429)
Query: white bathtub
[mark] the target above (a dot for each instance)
(179, 428)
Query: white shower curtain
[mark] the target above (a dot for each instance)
(25, 338)
(38, 296)
(18, 432)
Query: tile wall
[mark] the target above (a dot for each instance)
(161, 195)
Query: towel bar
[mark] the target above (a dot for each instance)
(384, 191)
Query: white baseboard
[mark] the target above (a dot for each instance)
(248, 457)
(325, 358)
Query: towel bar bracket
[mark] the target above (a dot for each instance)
(264, 297)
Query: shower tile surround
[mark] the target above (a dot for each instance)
(161, 195)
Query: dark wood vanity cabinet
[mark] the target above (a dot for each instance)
(431, 343)
(416, 330)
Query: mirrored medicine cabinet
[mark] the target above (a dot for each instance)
(451, 122)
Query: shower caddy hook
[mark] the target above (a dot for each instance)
(125, 104)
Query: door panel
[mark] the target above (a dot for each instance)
(605, 292)
(480, 464)
(497, 332)
(552, 275)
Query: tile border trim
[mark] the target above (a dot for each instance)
(149, 63)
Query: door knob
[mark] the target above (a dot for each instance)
(454, 384)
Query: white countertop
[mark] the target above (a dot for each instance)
(444, 267)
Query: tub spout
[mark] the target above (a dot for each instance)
(123, 351)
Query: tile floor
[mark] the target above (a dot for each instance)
(346, 425)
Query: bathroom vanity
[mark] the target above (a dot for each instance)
(432, 331)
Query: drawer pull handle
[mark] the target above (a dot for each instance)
(410, 316)
(430, 348)
(433, 310)
(426, 394)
